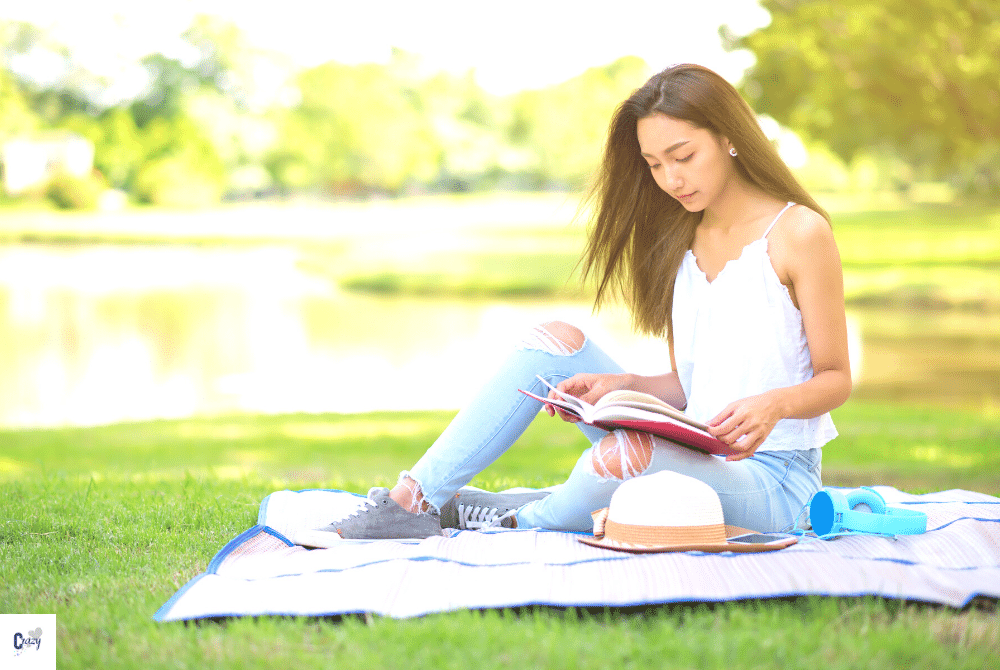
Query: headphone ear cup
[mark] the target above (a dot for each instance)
(867, 496)
(826, 510)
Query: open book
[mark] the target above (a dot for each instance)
(639, 411)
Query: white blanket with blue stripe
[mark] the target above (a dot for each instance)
(262, 572)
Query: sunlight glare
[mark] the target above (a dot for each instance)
(528, 45)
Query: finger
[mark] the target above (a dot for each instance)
(563, 414)
(718, 431)
(722, 416)
(569, 417)
(740, 454)
(731, 438)
(567, 384)
(577, 385)
(747, 445)
(728, 431)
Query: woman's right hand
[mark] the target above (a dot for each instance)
(589, 387)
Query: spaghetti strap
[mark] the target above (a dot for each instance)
(785, 209)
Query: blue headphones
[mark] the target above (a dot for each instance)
(832, 512)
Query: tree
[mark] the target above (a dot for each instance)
(15, 116)
(565, 126)
(180, 166)
(63, 87)
(917, 78)
(356, 127)
(468, 127)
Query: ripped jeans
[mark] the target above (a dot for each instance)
(763, 493)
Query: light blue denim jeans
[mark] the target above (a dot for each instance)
(763, 493)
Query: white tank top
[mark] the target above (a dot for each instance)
(741, 335)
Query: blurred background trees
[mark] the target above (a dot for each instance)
(914, 84)
(564, 127)
(909, 90)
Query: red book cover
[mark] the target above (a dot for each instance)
(677, 431)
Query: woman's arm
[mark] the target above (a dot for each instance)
(806, 254)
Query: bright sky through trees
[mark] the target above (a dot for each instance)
(512, 46)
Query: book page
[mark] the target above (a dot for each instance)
(627, 396)
(619, 413)
(685, 432)
(562, 404)
(647, 402)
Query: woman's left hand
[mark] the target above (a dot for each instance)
(745, 424)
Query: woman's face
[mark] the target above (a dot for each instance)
(687, 162)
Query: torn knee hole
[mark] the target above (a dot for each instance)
(417, 503)
(555, 337)
(622, 455)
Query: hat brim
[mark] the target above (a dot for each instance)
(731, 531)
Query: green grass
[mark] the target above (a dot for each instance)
(929, 256)
(481, 276)
(101, 525)
(924, 256)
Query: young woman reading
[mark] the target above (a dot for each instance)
(705, 233)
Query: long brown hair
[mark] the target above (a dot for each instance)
(638, 234)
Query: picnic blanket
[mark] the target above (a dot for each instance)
(262, 572)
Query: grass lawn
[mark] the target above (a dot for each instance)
(923, 256)
(102, 525)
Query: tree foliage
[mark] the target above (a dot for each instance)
(66, 86)
(356, 127)
(198, 128)
(16, 118)
(565, 126)
(913, 83)
(918, 78)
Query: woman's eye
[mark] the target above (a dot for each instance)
(686, 158)
(653, 167)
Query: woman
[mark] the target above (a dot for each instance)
(705, 233)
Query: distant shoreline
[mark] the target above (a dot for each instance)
(293, 221)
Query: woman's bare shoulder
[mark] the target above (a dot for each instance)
(799, 240)
(802, 225)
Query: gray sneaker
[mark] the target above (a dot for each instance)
(473, 508)
(382, 518)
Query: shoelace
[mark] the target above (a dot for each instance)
(470, 517)
(496, 521)
(366, 506)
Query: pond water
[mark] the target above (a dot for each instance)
(93, 334)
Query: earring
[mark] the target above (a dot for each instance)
(732, 151)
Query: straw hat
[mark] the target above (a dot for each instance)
(667, 511)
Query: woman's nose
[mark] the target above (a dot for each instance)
(673, 179)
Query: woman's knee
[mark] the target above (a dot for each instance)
(555, 337)
(622, 454)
